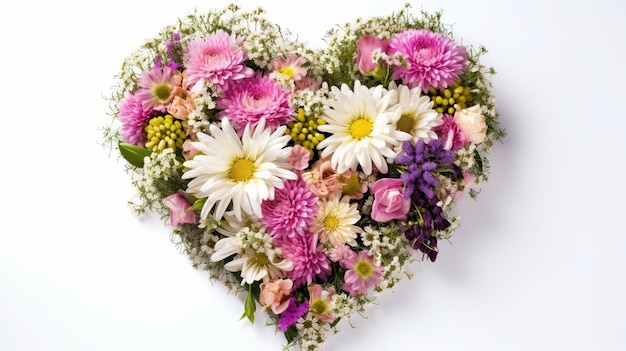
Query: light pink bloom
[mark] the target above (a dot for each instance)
(291, 67)
(432, 59)
(253, 99)
(134, 118)
(450, 133)
(389, 201)
(275, 295)
(216, 59)
(362, 274)
(307, 83)
(299, 157)
(341, 254)
(367, 45)
(468, 183)
(156, 88)
(320, 301)
(189, 151)
(291, 211)
(180, 212)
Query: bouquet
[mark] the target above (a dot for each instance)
(305, 179)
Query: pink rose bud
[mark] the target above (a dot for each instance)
(366, 46)
(179, 210)
(189, 151)
(389, 201)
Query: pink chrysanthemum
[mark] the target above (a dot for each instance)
(156, 88)
(309, 262)
(134, 118)
(432, 59)
(216, 59)
(362, 273)
(253, 99)
(292, 209)
(450, 133)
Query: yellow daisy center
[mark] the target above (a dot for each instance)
(352, 185)
(318, 306)
(242, 170)
(287, 72)
(406, 123)
(363, 269)
(162, 91)
(361, 128)
(331, 222)
(260, 260)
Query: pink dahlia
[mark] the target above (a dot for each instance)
(156, 88)
(253, 99)
(134, 118)
(432, 59)
(216, 59)
(309, 262)
(450, 133)
(362, 274)
(291, 211)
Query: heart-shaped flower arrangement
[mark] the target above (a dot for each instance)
(305, 179)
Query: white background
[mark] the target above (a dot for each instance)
(538, 263)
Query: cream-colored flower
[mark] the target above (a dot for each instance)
(472, 123)
(335, 221)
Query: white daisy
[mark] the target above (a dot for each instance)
(235, 172)
(335, 221)
(255, 255)
(417, 116)
(362, 127)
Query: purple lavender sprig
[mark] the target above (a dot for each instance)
(423, 163)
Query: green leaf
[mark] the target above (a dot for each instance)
(249, 306)
(134, 154)
(290, 334)
(478, 160)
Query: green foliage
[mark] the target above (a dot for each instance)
(134, 154)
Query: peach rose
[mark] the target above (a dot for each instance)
(180, 108)
(275, 295)
(472, 123)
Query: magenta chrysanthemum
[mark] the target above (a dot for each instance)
(294, 311)
(450, 133)
(156, 87)
(309, 262)
(291, 211)
(252, 99)
(432, 59)
(134, 118)
(216, 59)
(362, 273)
